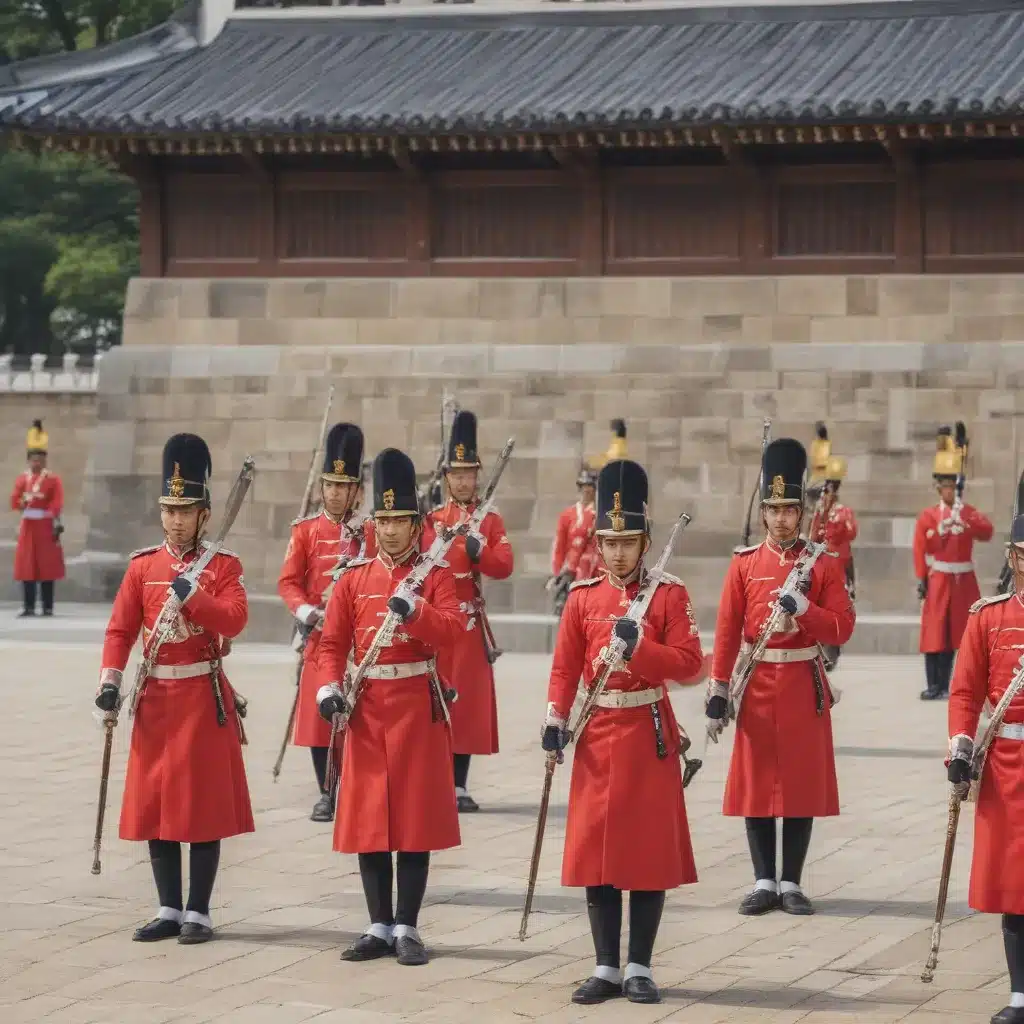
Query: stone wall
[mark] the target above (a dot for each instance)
(693, 365)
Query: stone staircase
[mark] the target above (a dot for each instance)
(692, 365)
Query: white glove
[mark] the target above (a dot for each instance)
(309, 614)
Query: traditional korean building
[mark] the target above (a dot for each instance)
(548, 139)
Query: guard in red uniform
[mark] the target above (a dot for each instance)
(626, 776)
(316, 544)
(467, 665)
(834, 525)
(38, 495)
(398, 794)
(943, 544)
(574, 554)
(783, 764)
(989, 658)
(185, 781)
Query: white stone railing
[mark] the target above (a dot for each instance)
(37, 378)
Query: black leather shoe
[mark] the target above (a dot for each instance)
(410, 951)
(931, 695)
(192, 933)
(760, 901)
(1009, 1015)
(156, 930)
(323, 809)
(47, 613)
(797, 903)
(596, 990)
(641, 990)
(368, 947)
(466, 804)
(27, 613)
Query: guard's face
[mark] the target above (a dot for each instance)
(338, 498)
(36, 463)
(396, 534)
(782, 522)
(622, 554)
(947, 491)
(182, 523)
(462, 484)
(587, 494)
(1017, 564)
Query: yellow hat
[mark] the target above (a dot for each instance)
(835, 468)
(949, 452)
(820, 449)
(37, 440)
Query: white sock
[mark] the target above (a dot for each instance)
(637, 971)
(407, 929)
(169, 914)
(461, 791)
(789, 887)
(385, 932)
(194, 917)
(766, 884)
(1017, 1000)
(611, 974)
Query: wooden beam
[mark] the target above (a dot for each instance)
(147, 174)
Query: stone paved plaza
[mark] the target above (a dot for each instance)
(285, 904)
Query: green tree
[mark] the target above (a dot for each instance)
(68, 223)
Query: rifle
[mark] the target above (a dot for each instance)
(765, 438)
(297, 631)
(956, 798)
(428, 492)
(407, 589)
(745, 670)
(162, 629)
(611, 655)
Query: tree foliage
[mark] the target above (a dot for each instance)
(68, 223)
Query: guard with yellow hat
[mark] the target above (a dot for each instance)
(943, 545)
(832, 524)
(38, 495)
(574, 554)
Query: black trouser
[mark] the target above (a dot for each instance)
(203, 859)
(29, 588)
(1013, 943)
(376, 871)
(938, 670)
(460, 766)
(604, 908)
(320, 767)
(796, 839)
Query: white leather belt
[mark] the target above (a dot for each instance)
(36, 513)
(1011, 731)
(630, 698)
(783, 655)
(403, 671)
(199, 668)
(951, 568)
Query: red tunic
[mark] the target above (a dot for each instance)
(39, 497)
(316, 544)
(988, 659)
(575, 548)
(835, 531)
(398, 792)
(186, 777)
(783, 764)
(950, 596)
(465, 666)
(620, 788)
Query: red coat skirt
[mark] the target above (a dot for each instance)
(38, 556)
(945, 609)
(310, 729)
(997, 885)
(627, 822)
(397, 767)
(783, 764)
(186, 778)
(475, 714)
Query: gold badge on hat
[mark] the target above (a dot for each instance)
(389, 500)
(339, 467)
(778, 487)
(615, 517)
(176, 485)
(460, 452)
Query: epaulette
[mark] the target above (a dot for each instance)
(303, 519)
(667, 577)
(351, 564)
(586, 583)
(982, 601)
(746, 551)
(145, 551)
(222, 551)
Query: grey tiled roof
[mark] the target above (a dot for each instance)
(559, 70)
